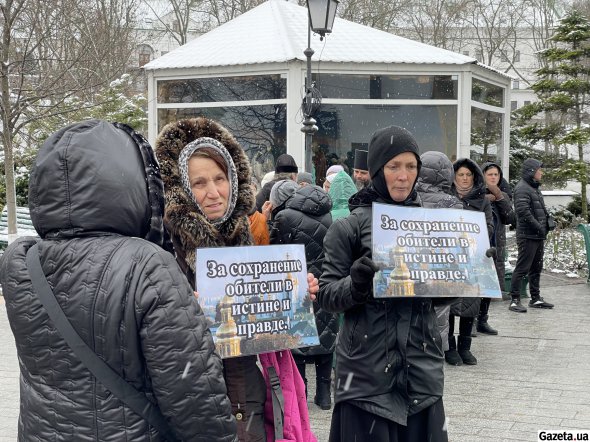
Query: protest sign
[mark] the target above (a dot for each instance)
(255, 298)
(432, 253)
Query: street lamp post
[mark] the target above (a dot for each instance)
(320, 19)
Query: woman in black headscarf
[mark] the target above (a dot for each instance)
(469, 187)
(389, 363)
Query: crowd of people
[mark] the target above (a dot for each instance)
(117, 253)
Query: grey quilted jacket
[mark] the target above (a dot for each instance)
(95, 194)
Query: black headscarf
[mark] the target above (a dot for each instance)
(386, 144)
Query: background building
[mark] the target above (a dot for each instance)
(249, 74)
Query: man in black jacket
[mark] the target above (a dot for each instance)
(531, 231)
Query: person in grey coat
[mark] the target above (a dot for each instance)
(434, 187)
(96, 201)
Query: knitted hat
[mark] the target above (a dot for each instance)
(304, 177)
(360, 159)
(286, 164)
(386, 144)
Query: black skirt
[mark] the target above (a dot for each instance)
(353, 424)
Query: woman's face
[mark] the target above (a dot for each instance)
(464, 177)
(492, 176)
(400, 175)
(209, 185)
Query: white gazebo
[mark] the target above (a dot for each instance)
(249, 74)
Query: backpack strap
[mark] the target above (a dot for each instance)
(278, 402)
(111, 380)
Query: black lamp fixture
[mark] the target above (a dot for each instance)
(321, 15)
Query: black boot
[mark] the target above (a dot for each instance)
(464, 346)
(516, 305)
(484, 327)
(323, 397)
(451, 355)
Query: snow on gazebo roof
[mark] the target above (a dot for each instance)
(276, 31)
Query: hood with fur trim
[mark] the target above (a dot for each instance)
(188, 227)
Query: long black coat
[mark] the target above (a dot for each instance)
(389, 354)
(90, 196)
(304, 219)
(529, 204)
(475, 201)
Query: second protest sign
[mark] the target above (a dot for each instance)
(256, 298)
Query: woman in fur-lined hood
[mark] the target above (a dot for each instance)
(195, 219)
(185, 220)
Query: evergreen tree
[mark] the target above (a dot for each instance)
(563, 90)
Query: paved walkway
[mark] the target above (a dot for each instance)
(534, 375)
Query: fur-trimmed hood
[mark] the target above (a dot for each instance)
(188, 228)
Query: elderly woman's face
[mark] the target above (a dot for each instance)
(400, 175)
(464, 177)
(210, 186)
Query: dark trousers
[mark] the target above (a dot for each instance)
(529, 263)
(500, 263)
(484, 308)
(323, 366)
(465, 326)
(353, 424)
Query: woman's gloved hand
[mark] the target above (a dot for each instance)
(496, 192)
(361, 276)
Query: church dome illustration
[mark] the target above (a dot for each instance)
(227, 340)
(400, 283)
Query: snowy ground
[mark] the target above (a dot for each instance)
(565, 252)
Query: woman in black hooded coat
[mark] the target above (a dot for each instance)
(389, 364)
(500, 196)
(469, 187)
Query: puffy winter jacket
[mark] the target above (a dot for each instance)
(94, 192)
(304, 219)
(529, 204)
(434, 187)
(435, 182)
(389, 353)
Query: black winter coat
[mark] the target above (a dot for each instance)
(389, 353)
(476, 201)
(90, 195)
(502, 211)
(529, 205)
(304, 219)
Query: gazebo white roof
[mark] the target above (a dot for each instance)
(276, 31)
